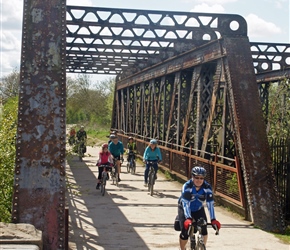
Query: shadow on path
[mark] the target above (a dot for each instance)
(96, 222)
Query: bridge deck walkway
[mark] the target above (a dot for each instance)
(127, 217)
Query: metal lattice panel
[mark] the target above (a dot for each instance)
(111, 41)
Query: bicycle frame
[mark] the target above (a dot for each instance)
(80, 145)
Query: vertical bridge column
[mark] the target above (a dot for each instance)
(251, 137)
(39, 184)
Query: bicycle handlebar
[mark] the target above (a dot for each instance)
(208, 224)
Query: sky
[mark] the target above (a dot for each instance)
(268, 20)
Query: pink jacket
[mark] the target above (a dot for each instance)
(104, 158)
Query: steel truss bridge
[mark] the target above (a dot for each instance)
(192, 80)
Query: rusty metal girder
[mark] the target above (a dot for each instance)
(39, 185)
(273, 76)
(204, 54)
(112, 41)
(269, 57)
(125, 41)
(250, 135)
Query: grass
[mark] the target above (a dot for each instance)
(284, 237)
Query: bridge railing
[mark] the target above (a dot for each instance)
(225, 179)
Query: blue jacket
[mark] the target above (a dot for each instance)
(116, 149)
(150, 155)
(192, 200)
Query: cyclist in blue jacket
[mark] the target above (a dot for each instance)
(151, 153)
(195, 192)
(116, 148)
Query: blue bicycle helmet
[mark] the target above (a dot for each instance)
(198, 171)
(153, 141)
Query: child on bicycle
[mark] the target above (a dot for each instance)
(195, 192)
(131, 149)
(151, 153)
(105, 158)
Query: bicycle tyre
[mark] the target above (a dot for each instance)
(133, 167)
(151, 181)
(103, 189)
(103, 184)
(128, 167)
(200, 246)
(116, 176)
(113, 176)
(80, 152)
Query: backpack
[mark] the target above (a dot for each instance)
(177, 224)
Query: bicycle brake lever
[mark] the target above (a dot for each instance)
(216, 230)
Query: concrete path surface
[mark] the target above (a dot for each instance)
(127, 217)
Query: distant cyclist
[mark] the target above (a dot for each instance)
(105, 159)
(82, 134)
(195, 192)
(151, 153)
(82, 139)
(131, 148)
(116, 148)
(72, 136)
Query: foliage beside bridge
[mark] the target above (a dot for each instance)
(8, 128)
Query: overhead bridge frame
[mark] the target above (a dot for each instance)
(189, 79)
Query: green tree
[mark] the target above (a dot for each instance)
(279, 110)
(89, 102)
(9, 85)
(8, 127)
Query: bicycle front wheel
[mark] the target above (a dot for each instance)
(199, 246)
(133, 170)
(151, 182)
(103, 189)
(80, 152)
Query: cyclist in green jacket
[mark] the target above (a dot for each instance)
(131, 149)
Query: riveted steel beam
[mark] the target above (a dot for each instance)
(138, 38)
(251, 137)
(39, 186)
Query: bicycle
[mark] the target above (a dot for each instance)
(104, 178)
(131, 165)
(80, 149)
(114, 173)
(195, 236)
(71, 140)
(151, 176)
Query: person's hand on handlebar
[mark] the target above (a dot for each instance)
(216, 225)
(187, 223)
